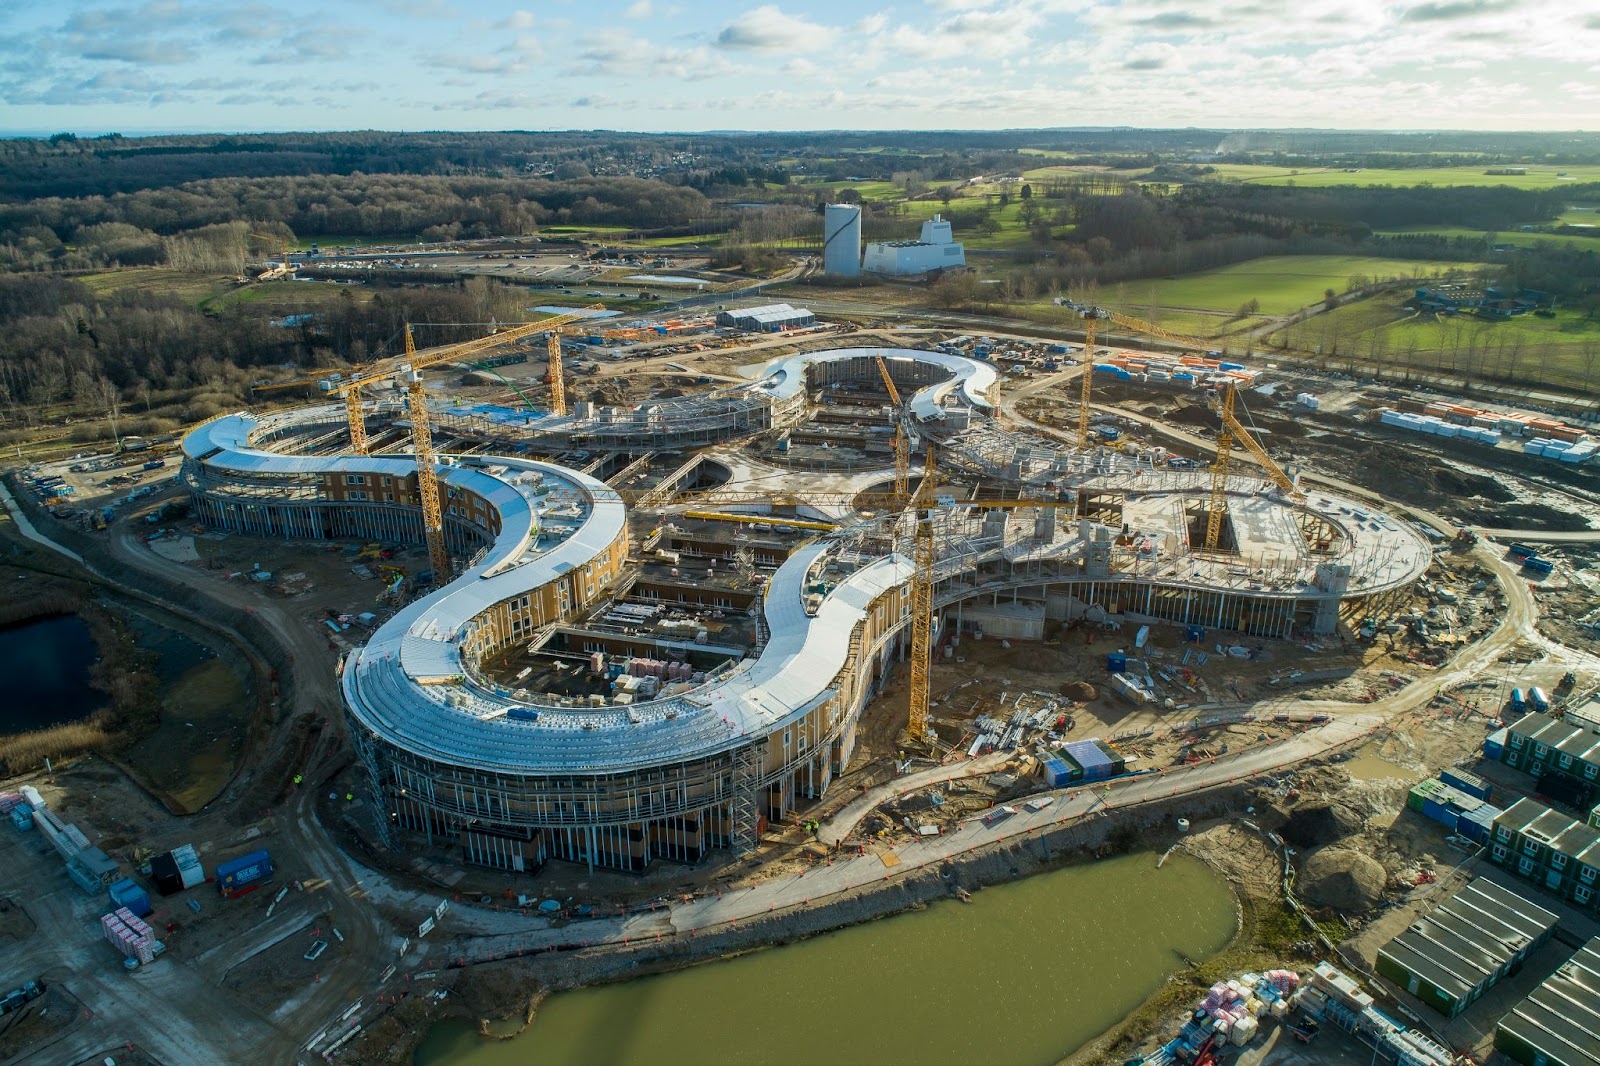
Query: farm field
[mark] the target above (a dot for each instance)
(1516, 237)
(1563, 350)
(1282, 284)
(1537, 177)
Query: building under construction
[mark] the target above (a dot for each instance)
(564, 697)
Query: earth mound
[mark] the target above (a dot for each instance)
(1342, 878)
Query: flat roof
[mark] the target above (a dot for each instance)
(1461, 943)
(1561, 1018)
(787, 376)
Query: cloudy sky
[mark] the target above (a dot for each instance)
(97, 65)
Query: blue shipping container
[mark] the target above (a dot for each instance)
(1058, 773)
(1470, 783)
(1540, 701)
(1494, 745)
(22, 818)
(1517, 702)
(1476, 825)
(126, 893)
(1116, 662)
(1521, 551)
(1443, 813)
(1538, 565)
(236, 874)
(1087, 754)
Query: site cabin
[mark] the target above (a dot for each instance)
(1518, 703)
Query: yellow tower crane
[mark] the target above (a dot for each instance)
(924, 554)
(411, 365)
(1231, 433)
(284, 269)
(922, 575)
(902, 446)
(1086, 387)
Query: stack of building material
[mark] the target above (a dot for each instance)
(127, 933)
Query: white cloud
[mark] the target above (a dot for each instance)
(768, 28)
(640, 9)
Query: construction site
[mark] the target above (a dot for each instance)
(796, 612)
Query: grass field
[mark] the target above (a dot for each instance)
(1537, 177)
(1563, 350)
(1281, 283)
(1514, 237)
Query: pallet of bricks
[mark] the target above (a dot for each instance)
(129, 934)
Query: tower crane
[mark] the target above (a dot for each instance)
(924, 555)
(1231, 433)
(902, 446)
(283, 269)
(411, 365)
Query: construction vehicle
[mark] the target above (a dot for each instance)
(20, 997)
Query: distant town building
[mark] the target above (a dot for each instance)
(936, 250)
(841, 240)
(768, 318)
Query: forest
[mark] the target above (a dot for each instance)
(71, 209)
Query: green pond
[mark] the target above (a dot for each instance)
(1022, 976)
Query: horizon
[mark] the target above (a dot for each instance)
(179, 66)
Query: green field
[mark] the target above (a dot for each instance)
(1563, 350)
(871, 191)
(1515, 237)
(1537, 177)
(1280, 283)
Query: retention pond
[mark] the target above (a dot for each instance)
(1022, 976)
(46, 664)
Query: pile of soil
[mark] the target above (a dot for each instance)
(1342, 878)
(1079, 691)
(1315, 824)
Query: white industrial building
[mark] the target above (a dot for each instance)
(841, 240)
(768, 318)
(936, 250)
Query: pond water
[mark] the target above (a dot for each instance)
(45, 666)
(1022, 976)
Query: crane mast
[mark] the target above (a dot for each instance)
(427, 478)
(1087, 385)
(558, 383)
(922, 559)
(1219, 475)
(902, 446)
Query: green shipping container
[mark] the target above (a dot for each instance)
(1422, 792)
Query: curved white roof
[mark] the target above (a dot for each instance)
(784, 377)
(409, 683)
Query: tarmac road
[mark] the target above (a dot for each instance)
(368, 945)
